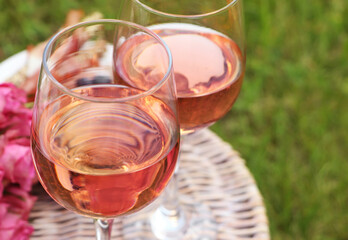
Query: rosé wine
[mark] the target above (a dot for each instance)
(208, 69)
(105, 159)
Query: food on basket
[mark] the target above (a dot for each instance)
(26, 77)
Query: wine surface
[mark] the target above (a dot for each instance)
(208, 68)
(105, 159)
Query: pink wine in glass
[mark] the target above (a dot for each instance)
(208, 68)
(105, 159)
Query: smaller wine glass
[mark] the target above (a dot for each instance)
(103, 149)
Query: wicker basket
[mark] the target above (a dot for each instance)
(210, 172)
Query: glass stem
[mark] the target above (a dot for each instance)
(103, 228)
(170, 206)
(169, 221)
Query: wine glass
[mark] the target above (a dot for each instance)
(101, 148)
(206, 39)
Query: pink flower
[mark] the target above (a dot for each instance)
(2, 182)
(11, 97)
(20, 200)
(12, 100)
(15, 207)
(17, 172)
(16, 162)
(18, 125)
(15, 156)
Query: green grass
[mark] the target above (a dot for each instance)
(290, 122)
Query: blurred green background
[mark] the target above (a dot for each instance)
(290, 122)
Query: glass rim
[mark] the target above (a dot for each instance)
(68, 91)
(187, 16)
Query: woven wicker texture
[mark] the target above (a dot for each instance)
(210, 172)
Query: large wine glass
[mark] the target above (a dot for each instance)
(103, 149)
(206, 39)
